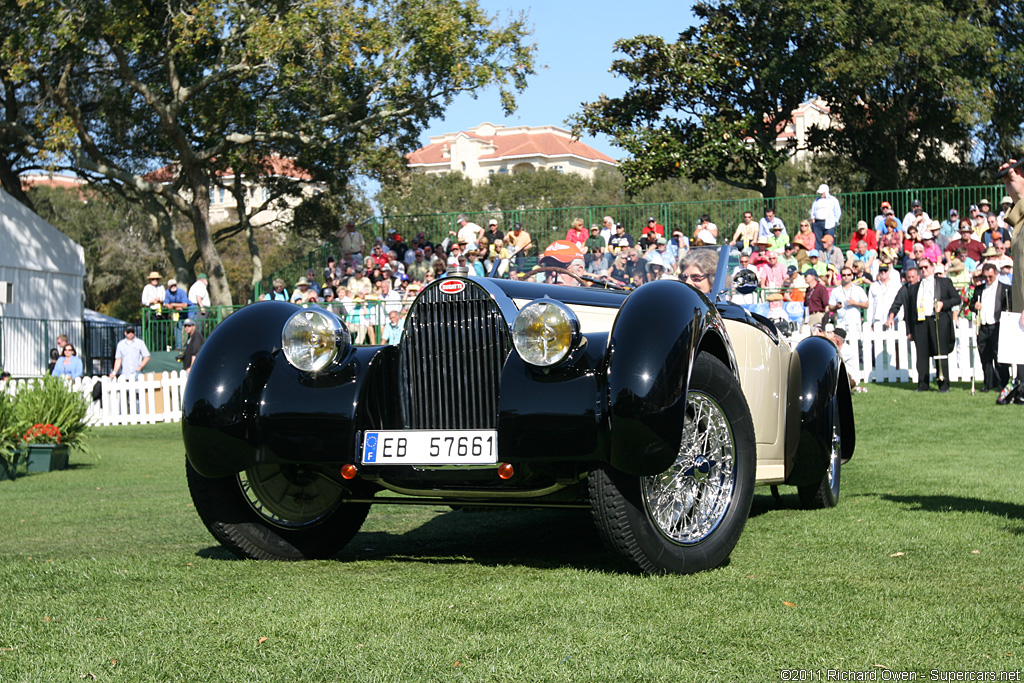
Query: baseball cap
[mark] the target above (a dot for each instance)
(886, 205)
(812, 252)
(954, 212)
(172, 281)
(492, 222)
(563, 251)
(188, 321)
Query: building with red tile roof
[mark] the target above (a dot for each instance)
(489, 149)
(224, 207)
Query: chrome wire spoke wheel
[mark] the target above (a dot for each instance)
(834, 456)
(688, 501)
(289, 497)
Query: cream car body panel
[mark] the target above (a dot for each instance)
(763, 368)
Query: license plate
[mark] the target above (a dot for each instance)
(431, 447)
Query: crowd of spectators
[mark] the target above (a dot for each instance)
(853, 285)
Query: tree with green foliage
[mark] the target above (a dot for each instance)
(908, 87)
(417, 194)
(1002, 137)
(711, 104)
(911, 90)
(191, 88)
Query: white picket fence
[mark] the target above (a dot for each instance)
(146, 399)
(888, 356)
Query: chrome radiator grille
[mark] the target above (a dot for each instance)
(452, 352)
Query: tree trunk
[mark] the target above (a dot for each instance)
(11, 183)
(238, 191)
(220, 292)
(771, 184)
(160, 221)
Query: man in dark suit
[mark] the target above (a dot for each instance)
(930, 323)
(990, 299)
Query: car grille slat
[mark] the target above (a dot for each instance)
(451, 357)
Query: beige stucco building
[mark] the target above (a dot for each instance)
(490, 149)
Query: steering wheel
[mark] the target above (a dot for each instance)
(584, 280)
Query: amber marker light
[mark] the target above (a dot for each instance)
(505, 470)
(349, 471)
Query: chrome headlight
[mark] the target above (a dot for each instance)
(545, 331)
(311, 339)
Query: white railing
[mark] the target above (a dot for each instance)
(146, 399)
(888, 356)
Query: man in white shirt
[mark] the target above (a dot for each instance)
(198, 297)
(825, 215)
(881, 296)
(130, 356)
(847, 301)
(765, 225)
(469, 232)
(916, 217)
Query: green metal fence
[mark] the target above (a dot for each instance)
(158, 330)
(547, 225)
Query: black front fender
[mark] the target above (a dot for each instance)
(824, 396)
(651, 350)
(244, 404)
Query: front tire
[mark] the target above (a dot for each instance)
(275, 512)
(825, 494)
(689, 517)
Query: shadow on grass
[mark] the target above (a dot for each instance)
(958, 504)
(543, 539)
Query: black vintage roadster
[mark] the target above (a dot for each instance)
(658, 408)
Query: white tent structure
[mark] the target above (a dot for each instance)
(47, 271)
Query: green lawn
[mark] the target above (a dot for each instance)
(107, 572)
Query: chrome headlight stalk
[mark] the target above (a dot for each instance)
(545, 332)
(312, 339)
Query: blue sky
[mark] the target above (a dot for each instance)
(576, 42)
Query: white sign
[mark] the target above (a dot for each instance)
(1011, 338)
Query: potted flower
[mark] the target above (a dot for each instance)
(10, 438)
(51, 415)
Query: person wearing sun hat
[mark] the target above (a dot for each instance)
(153, 293)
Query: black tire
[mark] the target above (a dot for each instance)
(718, 475)
(825, 494)
(273, 512)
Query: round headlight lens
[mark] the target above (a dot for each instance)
(312, 338)
(545, 332)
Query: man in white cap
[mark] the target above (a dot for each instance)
(176, 301)
(825, 215)
(1004, 208)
